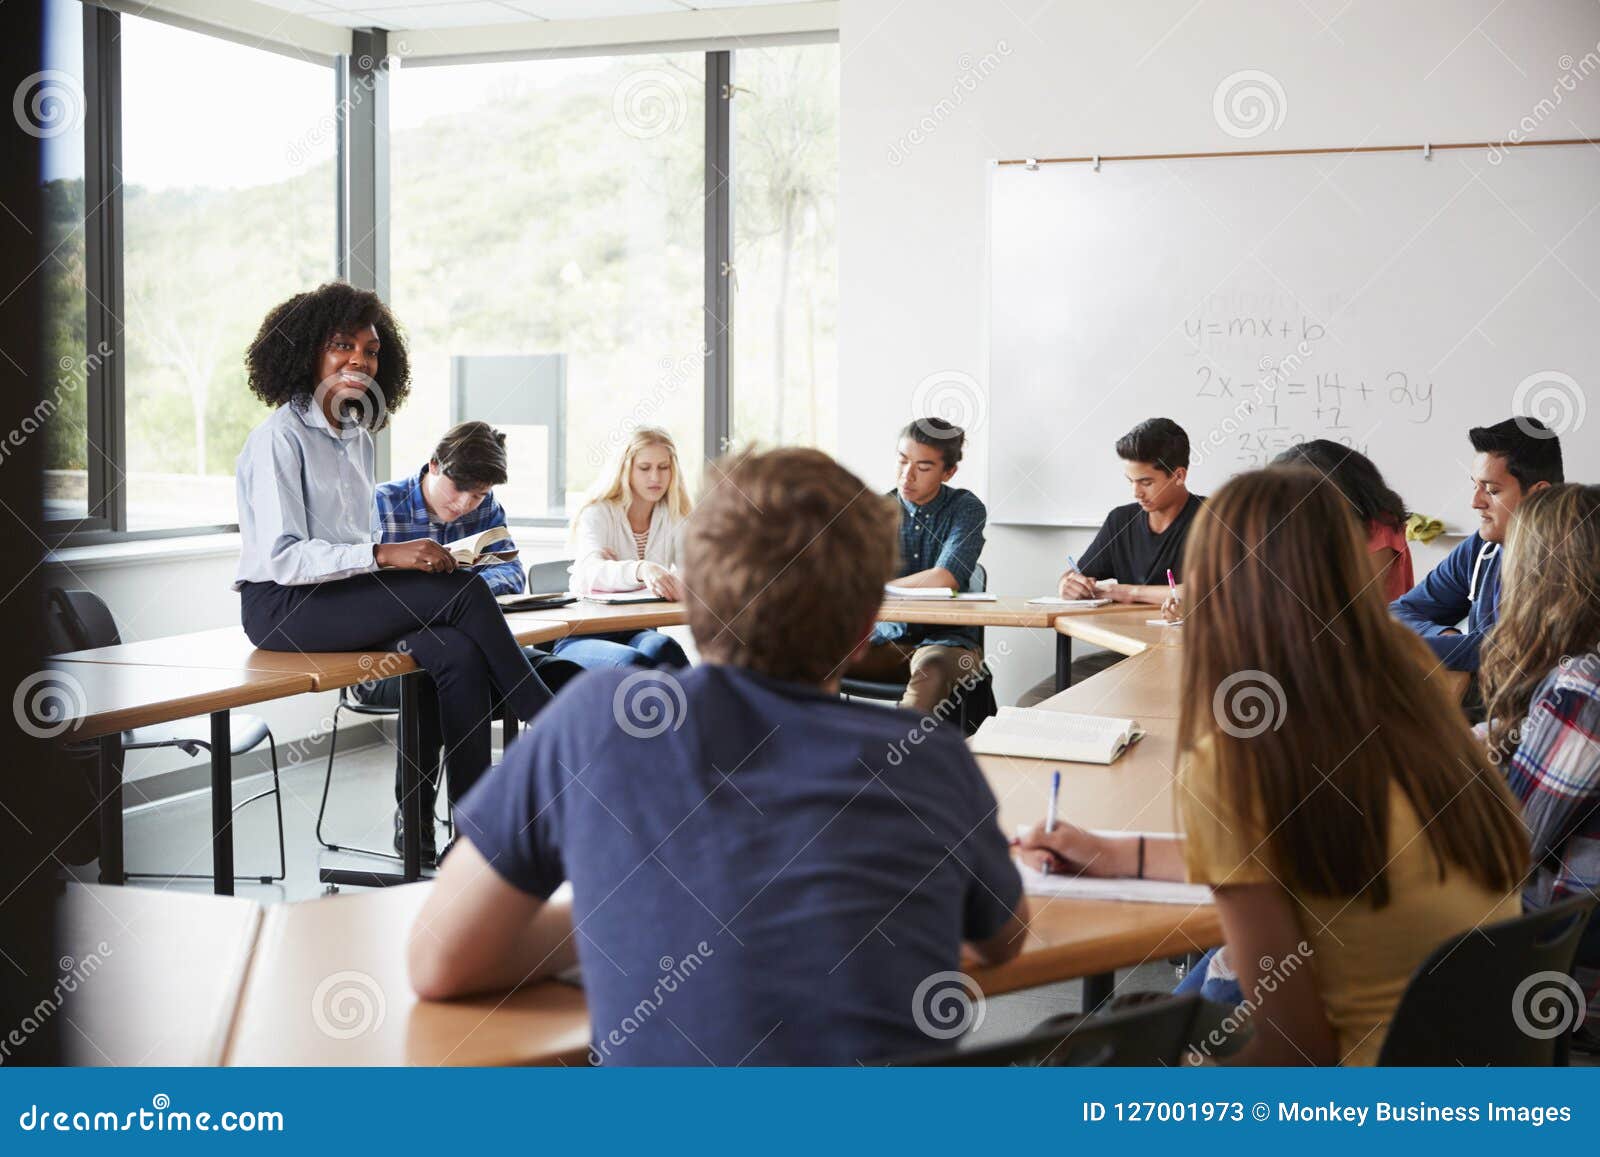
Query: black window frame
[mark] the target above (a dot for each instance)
(362, 256)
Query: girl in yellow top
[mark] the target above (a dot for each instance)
(1329, 790)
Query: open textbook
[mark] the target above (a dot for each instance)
(472, 550)
(1035, 733)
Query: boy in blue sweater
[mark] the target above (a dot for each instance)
(1513, 459)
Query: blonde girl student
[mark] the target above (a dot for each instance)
(1329, 791)
(627, 536)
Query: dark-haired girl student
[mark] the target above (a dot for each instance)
(1541, 690)
(1351, 829)
(333, 362)
(1381, 512)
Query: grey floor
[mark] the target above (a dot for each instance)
(175, 836)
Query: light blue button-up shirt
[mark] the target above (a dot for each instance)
(305, 500)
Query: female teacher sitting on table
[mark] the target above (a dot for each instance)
(310, 578)
(1328, 790)
(627, 536)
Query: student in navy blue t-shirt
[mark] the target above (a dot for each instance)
(1513, 459)
(761, 872)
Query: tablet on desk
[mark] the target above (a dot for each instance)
(545, 602)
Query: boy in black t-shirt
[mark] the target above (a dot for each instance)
(1140, 542)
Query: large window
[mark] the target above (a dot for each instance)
(229, 206)
(549, 215)
(785, 299)
(54, 109)
(547, 251)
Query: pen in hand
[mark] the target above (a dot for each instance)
(1050, 812)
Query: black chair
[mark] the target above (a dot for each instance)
(348, 702)
(81, 621)
(1145, 1030)
(549, 577)
(1486, 997)
(972, 705)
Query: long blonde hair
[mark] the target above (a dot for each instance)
(614, 487)
(1315, 703)
(1548, 608)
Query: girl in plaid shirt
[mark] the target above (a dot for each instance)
(1541, 681)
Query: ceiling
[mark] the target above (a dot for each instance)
(419, 14)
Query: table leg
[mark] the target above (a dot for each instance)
(1063, 661)
(1097, 989)
(221, 803)
(110, 810)
(410, 780)
(508, 731)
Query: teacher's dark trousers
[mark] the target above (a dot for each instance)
(449, 623)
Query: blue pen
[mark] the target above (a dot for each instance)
(1050, 814)
(1072, 562)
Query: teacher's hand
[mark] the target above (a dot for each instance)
(419, 554)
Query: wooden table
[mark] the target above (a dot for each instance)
(1128, 632)
(227, 651)
(157, 974)
(227, 648)
(329, 987)
(1141, 687)
(105, 699)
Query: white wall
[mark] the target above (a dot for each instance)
(932, 90)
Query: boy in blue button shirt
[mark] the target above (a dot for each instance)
(761, 872)
(451, 497)
(1514, 458)
(941, 537)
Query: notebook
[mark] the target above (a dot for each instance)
(613, 598)
(1036, 883)
(948, 594)
(1032, 733)
(1055, 601)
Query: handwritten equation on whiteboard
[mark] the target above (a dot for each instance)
(1277, 388)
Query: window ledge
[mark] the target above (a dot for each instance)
(535, 539)
(111, 554)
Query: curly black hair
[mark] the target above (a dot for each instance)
(283, 363)
(1354, 475)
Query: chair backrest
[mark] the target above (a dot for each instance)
(1151, 1032)
(78, 621)
(1496, 995)
(547, 577)
(979, 582)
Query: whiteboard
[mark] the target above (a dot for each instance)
(1386, 301)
